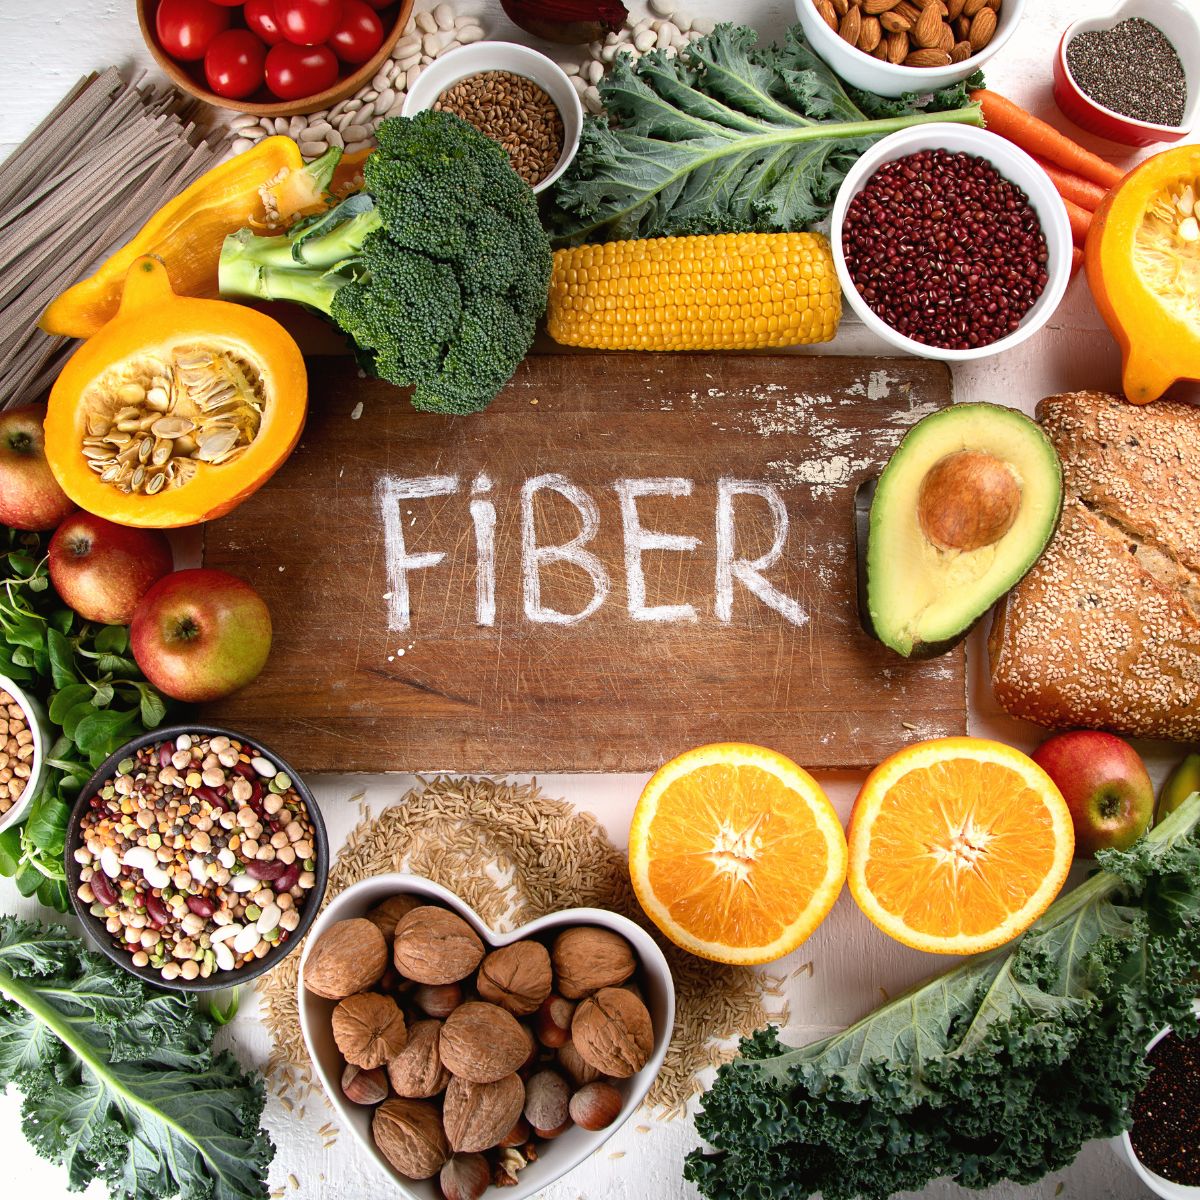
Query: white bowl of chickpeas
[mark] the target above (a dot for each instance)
(22, 750)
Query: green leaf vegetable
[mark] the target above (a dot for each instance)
(727, 137)
(1001, 1069)
(438, 271)
(120, 1082)
(93, 692)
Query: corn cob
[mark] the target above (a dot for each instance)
(732, 291)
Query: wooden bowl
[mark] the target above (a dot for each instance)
(189, 77)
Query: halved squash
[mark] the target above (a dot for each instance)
(177, 410)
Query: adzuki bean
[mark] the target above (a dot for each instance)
(945, 249)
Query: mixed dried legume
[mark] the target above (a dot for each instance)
(945, 249)
(198, 856)
(16, 751)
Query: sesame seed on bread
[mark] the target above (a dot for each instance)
(1104, 632)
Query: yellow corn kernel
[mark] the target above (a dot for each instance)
(731, 291)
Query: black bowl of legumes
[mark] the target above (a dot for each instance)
(951, 242)
(196, 858)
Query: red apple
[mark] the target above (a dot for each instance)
(1106, 787)
(201, 634)
(30, 497)
(102, 570)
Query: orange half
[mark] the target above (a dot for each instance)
(958, 845)
(735, 853)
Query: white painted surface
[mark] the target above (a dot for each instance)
(44, 47)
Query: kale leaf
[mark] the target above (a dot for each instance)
(725, 137)
(120, 1081)
(1000, 1069)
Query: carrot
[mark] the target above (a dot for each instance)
(1080, 219)
(1011, 121)
(1074, 187)
(1076, 260)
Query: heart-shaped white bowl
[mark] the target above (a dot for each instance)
(555, 1158)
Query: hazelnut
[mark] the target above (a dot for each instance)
(546, 1100)
(437, 1000)
(348, 957)
(518, 1135)
(465, 1177)
(482, 1043)
(612, 1031)
(386, 916)
(364, 1087)
(478, 1115)
(596, 1106)
(369, 1029)
(409, 1135)
(588, 958)
(417, 1072)
(435, 946)
(553, 1021)
(516, 977)
(557, 1131)
(578, 1071)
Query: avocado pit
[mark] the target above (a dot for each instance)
(968, 500)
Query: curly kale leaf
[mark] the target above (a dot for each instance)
(1000, 1069)
(120, 1081)
(727, 136)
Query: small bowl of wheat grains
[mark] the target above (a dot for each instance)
(520, 98)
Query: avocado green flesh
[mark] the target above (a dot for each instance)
(921, 599)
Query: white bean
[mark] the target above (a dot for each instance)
(443, 15)
(269, 919)
(334, 138)
(703, 25)
(664, 8)
(264, 766)
(580, 84)
(595, 72)
(385, 100)
(424, 22)
(610, 39)
(408, 62)
(609, 53)
(468, 34)
(432, 44)
(365, 114)
(355, 133)
(243, 122)
(411, 77)
(282, 125)
(667, 35)
(242, 144)
(109, 863)
(380, 81)
(296, 125)
(397, 108)
(591, 99)
(593, 48)
(318, 129)
(312, 149)
(368, 97)
(406, 45)
(224, 932)
(645, 40)
(355, 147)
(246, 940)
(224, 957)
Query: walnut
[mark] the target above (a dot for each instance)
(348, 957)
(588, 958)
(482, 1043)
(612, 1031)
(477, 1116)
(547, 1098)
(579, 1071)
(369, 1029)
(516, 977)
(410, 1136)
(435, 946)
(388, 914)
(417, 1072)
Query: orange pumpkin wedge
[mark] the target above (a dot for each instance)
(177, 410)
(735, 853)
(958, 845)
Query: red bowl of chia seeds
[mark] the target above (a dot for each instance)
(196, 858)
(950, 242)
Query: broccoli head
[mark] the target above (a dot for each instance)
(438, 271)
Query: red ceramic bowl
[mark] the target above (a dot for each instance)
(1177, 20)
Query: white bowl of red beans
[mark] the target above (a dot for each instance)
(950, 242)
(196, 858)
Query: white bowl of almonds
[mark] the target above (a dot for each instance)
(465, 1060)
(22, 750)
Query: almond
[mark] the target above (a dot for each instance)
(971, 7)
(870, 35)
(897, 47)
(927, 32)
(983, 26)
(880, 51)
(946, 41)
(872, 8)
(851, 26)
(962, 27)
(909, 11)
(841, 7)
(954, 8)
(895, 22)
(927, 58)
(827, 14)
(960, 52)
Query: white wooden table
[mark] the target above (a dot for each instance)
(44, 47)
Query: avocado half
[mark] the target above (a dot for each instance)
(964, 508)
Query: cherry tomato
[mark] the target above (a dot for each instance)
(294, 72)
(260, 16)
(233, 65)
(358, 34)
(229, 3)
(185, 27)
(307, 22)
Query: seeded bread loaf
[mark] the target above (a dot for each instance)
(1104, 632)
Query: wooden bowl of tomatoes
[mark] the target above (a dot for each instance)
(272, 58)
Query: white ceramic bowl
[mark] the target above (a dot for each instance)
(35, 714)
(556, 1158)
(1156, 1183)
(886, 79)
(448, 70)
(1015, 165)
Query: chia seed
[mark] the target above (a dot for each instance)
(1166, 1116)
(1131, 69)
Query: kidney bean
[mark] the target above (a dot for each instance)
(201, 906)
(102, 889)
(265, 870)
(164, 754)
(245, 770)
(213, 797)
(288, 879)
(156, 910)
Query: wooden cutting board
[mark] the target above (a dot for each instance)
(671, 563)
